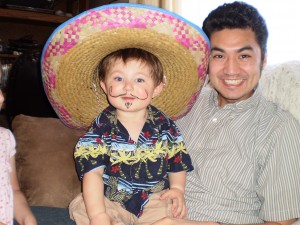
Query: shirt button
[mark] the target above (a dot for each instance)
(215, 120)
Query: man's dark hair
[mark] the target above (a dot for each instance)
(237, 15)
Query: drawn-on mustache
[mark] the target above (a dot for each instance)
(124, 94)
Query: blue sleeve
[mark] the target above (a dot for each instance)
(178, 157)
(91, 150)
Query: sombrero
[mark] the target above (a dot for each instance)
(71, 55)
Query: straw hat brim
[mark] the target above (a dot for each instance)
(72, 84)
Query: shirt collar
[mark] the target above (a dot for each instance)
(154, 117)
(239, 106)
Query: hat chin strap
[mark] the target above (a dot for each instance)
(97, 94)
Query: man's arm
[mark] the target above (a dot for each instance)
(174, 221)
(286, 222)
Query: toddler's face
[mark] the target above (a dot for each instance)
(130, 86)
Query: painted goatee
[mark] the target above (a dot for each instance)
(128, 104)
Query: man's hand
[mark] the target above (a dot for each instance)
(179, 209)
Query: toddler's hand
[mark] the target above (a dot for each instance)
(179, 209)
(100, 219)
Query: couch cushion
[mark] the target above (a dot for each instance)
(44, 157)
(281, 84)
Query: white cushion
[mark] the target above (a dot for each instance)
(281, 84)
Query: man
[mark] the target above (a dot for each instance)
(245, 150)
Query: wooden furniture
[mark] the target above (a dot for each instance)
(17, 23)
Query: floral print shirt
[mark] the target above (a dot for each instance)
(133, 170)
(7, 151)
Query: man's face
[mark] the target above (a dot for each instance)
(235, 64)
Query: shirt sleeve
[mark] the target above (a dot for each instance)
(178, 157)
(91, 150)
(279, 179)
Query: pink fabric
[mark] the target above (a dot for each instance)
(7, 150)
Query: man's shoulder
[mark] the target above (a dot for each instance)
(275, 113)
(198, 110)
(276, 110)
(206, 90)
(204, 97)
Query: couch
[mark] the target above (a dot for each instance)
(45, 165)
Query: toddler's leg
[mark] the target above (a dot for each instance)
(77, 211)
(155, 209)
(118, 215)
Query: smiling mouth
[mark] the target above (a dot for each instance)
(233, 82)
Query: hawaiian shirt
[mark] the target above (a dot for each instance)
(133, 170)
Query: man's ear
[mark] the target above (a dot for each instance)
(159, 88)
(264, 63)
(102, 85)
